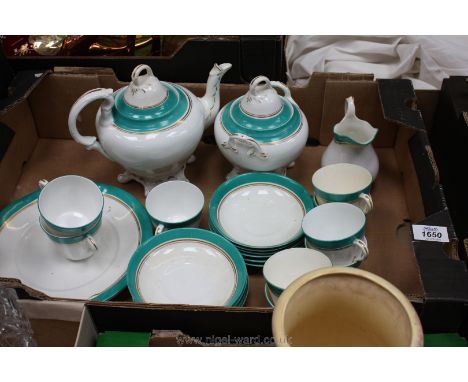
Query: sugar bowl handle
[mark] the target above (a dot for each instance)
(91, 143)
(241, 140)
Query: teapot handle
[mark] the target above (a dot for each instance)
(91, 143)
(285, 89)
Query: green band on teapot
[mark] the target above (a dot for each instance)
(174, 108)
(279, 126)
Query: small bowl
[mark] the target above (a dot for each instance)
(286, 266)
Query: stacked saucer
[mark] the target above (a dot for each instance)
(188, 266)
(260, 213)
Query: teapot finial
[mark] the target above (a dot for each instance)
(146, 90)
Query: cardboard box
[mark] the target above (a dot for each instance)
(177, 325)
(406, 191)
(54, 323)
(449, 137)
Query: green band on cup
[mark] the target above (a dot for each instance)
(336, 244)
(182, 224)
(343, 198)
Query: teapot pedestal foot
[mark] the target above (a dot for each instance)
(238, 171)
(180, 175)
(146, 183)
(149, 184)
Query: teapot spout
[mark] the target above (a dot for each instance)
(210, 100)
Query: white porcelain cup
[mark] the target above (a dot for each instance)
(337, 226)
(175, 204)
(343, 182)
(70, 212)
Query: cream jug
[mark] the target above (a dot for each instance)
(352, 142)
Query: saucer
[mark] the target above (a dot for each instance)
(259, 210)
(27, 254)
(188, 266)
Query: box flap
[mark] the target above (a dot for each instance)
(399, 103)
(21, 86)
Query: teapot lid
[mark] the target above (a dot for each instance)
(262, 113)
(148, 104)
(261, 101)
(145, 91)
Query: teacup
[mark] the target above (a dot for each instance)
(344, 307)
(175, 204)
(284, 267)
(336, 226)
(343, 182)
(70, 211)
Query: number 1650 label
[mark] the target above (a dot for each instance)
(430, 233)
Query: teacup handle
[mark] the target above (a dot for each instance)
(364, 250)
(160, 228)
(369, 203)
(42, 183)
(91, 242)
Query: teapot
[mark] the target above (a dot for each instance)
(352, 142)
(150, 127)
(262, 130)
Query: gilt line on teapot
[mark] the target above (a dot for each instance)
(176, 108)
(278, 128)
(260, 115)
(276, 142)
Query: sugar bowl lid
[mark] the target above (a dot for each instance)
(148, 104)
(262, 113)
